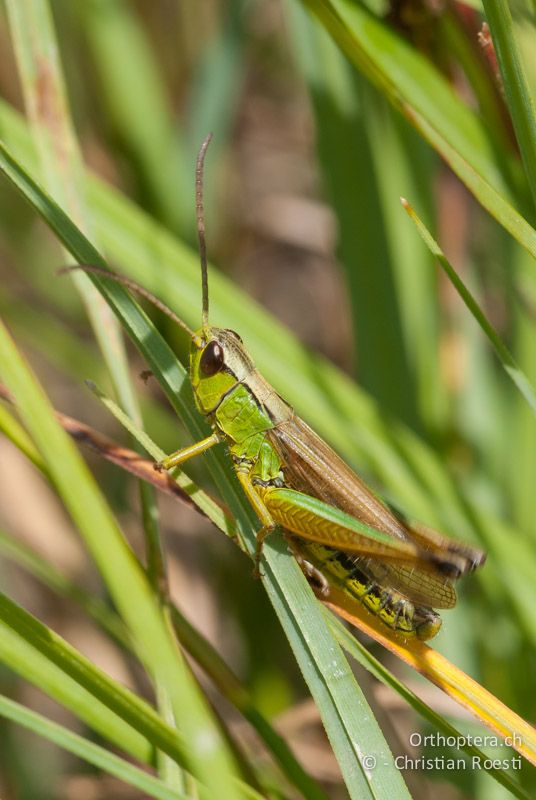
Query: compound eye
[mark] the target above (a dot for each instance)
(212, 359)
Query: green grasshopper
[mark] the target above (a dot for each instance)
(338, 529)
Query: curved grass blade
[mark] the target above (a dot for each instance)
(20, 553)
(60, 160)
(22, 658)
(199, 648)
(48, 110)
(14, 431)
(349, 722)
(381, 151)
(116, 36)
(505, 357)
(43, 657)
(88, 751)
(115, 453)
(119, 701)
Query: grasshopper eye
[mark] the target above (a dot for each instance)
(212, 359)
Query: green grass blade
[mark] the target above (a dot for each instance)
(14, 431)
(86, 750)
(231, 688)
(214, 98)
(20, 553)
(61, 165)
(462, 47)
(195, 644)
(202, 500)
(116, 36)
(27, 661)
(507, 360)
(119, 700)
(351, 727)
(43, 657)
(520, 450)
(520, 100)
(46, 99)
(118, 567)
(405, 76)
(380, 152)
(417, 89)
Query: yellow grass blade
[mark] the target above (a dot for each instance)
(520, 735)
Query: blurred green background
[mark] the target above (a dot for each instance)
(302, 187)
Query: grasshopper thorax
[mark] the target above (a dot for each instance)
(218, 361)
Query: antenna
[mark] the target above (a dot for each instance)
(200, 213)
(134, 287)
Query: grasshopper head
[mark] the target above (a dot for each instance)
(218, 361)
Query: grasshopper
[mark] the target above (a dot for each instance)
(338, 529)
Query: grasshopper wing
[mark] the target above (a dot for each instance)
(312, 467)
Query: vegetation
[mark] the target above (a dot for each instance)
(166, 667)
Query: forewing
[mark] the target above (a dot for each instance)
(312, 467)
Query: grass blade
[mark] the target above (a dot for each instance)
(117, 565)
(505, 357)
(27, 661)
(116, 36)
(61, 165)
(349, 722)
(354, 647)
(23, 555)
(520, 100)
(450, 679)
(46, 99)
(86, 750)
(381, 151)
(198, 647)
(422, 95)
(118, 700)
